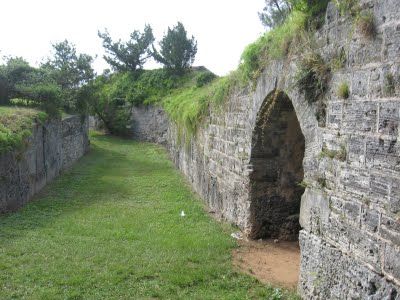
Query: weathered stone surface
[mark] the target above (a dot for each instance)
(351, 205)
(53, 147)
(149, 124)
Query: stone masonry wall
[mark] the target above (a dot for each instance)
(350, 210)
(52, 147)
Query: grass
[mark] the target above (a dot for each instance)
(110, 228)
(366, 24)
(16, 125)
(312, 76)
(278, 43)
(188, 106)
(343, 90)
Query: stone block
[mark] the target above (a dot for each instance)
(392, 261)
(369, 219)
(314, 210)
(360, 116)
(394, 198)
(383, 152)
(356, 149)
(390, 229)
(389, 118)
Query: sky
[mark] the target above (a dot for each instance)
(222, 27)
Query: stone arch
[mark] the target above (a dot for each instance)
(277, 153)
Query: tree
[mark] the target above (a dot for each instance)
(177, 50)
(275, 12)
(106, 97)
(131, 55)
(70, 71)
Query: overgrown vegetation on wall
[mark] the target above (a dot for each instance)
(16, 125)
(66, 82)
(187, 107)
(52, 87)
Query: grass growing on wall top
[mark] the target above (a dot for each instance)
(279, 42)
(110, 228)
(16, 125)
(188, 106)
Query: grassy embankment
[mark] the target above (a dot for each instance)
(110, 228)
(16, 126)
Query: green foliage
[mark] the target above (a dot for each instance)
(34, 85)
(131, 55)
(53, 86)
(16, 125)
(334, 154)
(343, 90)
(69, 71)
(204, 78)
(111, 97)
(188, 106)
(281, 40)
(16, 70)
(177, 51)
(106, 97)
(348, 7)
(312, 76)
(366, 24)
(339, 60)
(275, 12)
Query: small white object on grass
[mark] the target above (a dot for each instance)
(237, 235)
(182, 213)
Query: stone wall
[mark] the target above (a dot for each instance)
(350, 209)
(52, 147)
(149, 124)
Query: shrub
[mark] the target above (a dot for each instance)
(204, 78)
(366, 24)
(274, 44)
(16, 126)
(343, 90)
(46, 96)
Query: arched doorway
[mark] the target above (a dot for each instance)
(277, 159)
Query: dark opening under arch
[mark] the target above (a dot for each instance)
(277, 158)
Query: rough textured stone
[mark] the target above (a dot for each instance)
(53, 147)
(351, 204)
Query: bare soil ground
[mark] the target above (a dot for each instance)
(270, 262)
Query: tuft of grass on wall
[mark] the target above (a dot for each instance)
(188, 106)
(366, 24)
(312, 76)
(343, 90)
(274, 44)
(16, 125)
(389, 87)
(348, 7)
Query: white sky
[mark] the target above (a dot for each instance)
(222, 27)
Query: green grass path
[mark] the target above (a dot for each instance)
(110, 229)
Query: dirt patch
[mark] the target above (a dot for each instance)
(270, 262)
